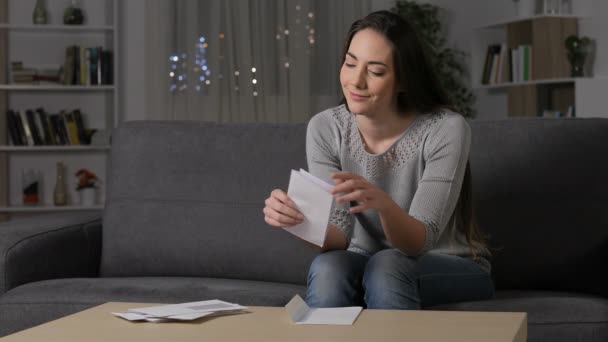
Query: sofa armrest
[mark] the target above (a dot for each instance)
(49, 247)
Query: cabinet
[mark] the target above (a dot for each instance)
(550, 86)
(42, 45)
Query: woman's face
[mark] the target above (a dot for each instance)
(368, 75)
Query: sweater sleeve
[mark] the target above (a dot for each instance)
(446, 153)
(323, 157)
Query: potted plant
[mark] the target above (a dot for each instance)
(449, 63)
(578, 48)
(87, 187)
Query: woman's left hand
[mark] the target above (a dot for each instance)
(353, 187)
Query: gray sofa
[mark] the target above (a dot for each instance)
(183, 222)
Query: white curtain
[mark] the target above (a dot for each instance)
(245, 60)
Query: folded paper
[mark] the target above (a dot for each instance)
(301, 313)
(314, 200)
(181, 312)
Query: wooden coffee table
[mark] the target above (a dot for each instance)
(273, 324)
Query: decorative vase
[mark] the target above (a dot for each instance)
(73, 15)
(577, 64)
(577, 48)
(88, 196)
(60, 196)
(39, 16)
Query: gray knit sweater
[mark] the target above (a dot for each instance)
(422, 172)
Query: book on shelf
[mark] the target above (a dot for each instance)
(497, 65)
(521, 59)
(504, 65)
(39, 128)
(88, 66)
(491, 51)
(27, 133)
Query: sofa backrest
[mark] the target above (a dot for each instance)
(541, 191)
(186, 199)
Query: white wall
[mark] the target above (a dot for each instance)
(596, 27)
(461, 17)
(132, 59)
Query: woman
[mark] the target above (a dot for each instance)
(401, 234)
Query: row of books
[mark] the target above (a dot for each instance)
(88, 66)
(39, 128)
(28, 75)
(507, 65)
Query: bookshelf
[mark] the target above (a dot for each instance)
(549, 85)
(40, 46)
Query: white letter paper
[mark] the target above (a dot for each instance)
(314, 200)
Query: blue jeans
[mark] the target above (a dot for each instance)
(390, 279)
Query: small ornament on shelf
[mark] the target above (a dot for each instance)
(73, 14)
(31, 185)
(87, 187)
(40, 16)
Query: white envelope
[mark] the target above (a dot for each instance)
(314, 200)
(301, 313)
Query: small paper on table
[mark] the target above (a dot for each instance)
(314, 200)
(301, 313)
(181, 312)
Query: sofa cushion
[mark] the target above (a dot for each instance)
(541, 195)
(186, 199)
(552, 316)
(35, 303)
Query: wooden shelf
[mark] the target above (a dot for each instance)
(502, 23)
(533, 82)
(48, 208)
(56, 28)
(51, 87)
(58, 148)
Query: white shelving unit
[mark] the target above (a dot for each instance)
(496, 33)
(42, 45)
(554, 88)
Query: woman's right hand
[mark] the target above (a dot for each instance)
(281, 211)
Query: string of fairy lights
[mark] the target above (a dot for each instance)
(301, 34)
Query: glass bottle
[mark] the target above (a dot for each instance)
(59, 195)
(39, 16)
